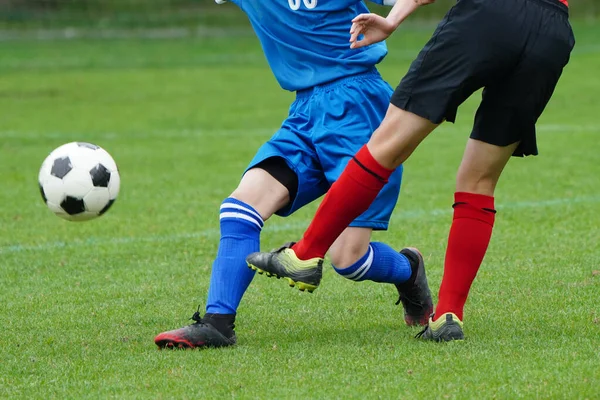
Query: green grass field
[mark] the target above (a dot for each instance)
(81, 303)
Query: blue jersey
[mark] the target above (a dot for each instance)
(306, 41)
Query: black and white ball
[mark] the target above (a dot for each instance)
(79, 181)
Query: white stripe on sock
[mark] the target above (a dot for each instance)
(362, 270)
(239, 207)
(239, 215)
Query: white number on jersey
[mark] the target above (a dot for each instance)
(295, 4)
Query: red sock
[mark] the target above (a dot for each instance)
(469, 237)
(350, 196)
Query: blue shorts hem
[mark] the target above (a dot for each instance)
(375, 225)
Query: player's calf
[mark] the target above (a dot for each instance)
(404, 269)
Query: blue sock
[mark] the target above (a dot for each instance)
(240, 236)
(381, 263)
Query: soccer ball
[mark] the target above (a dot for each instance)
(79, 181)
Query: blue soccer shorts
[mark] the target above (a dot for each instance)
(326, 126)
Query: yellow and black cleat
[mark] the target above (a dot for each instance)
(283, 263)
(445, 329)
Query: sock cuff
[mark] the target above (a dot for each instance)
(365, 160)
(357, 270)
(233, 208)
(477, 200)
(474, 206)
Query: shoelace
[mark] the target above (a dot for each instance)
(196, 317)
(198, 320)
(288, 245)
(418, 335)
(408, 299)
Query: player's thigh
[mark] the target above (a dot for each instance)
(378, 215)
(350, 246)
(398, 136)
(511, 106)
(292, 145)
(348, 117)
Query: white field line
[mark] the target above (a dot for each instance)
(75, 63)
(200, 31)
(204, 60)
(113, 33)
(191, 133)
(397, 219)
(181, 133)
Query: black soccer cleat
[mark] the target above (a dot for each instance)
(414, 293)
(213, 330)
(283, 263)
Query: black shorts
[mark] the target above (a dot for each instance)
(514, 49)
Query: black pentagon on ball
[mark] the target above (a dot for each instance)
(61, 167)
(100, 176)
(106, 207)
(88, 145)
(43, 193)
(72, 205)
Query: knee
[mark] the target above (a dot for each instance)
(263, 206)
(481, 166)
(398, 136)
(246, 194)
(262, 192)
(476, 181)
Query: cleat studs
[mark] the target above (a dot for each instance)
(306, 287)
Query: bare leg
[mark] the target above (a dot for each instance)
(474, 216)
(350, 246)
(481, 167)
(398, 136)
(358, 186)
(261, 191)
